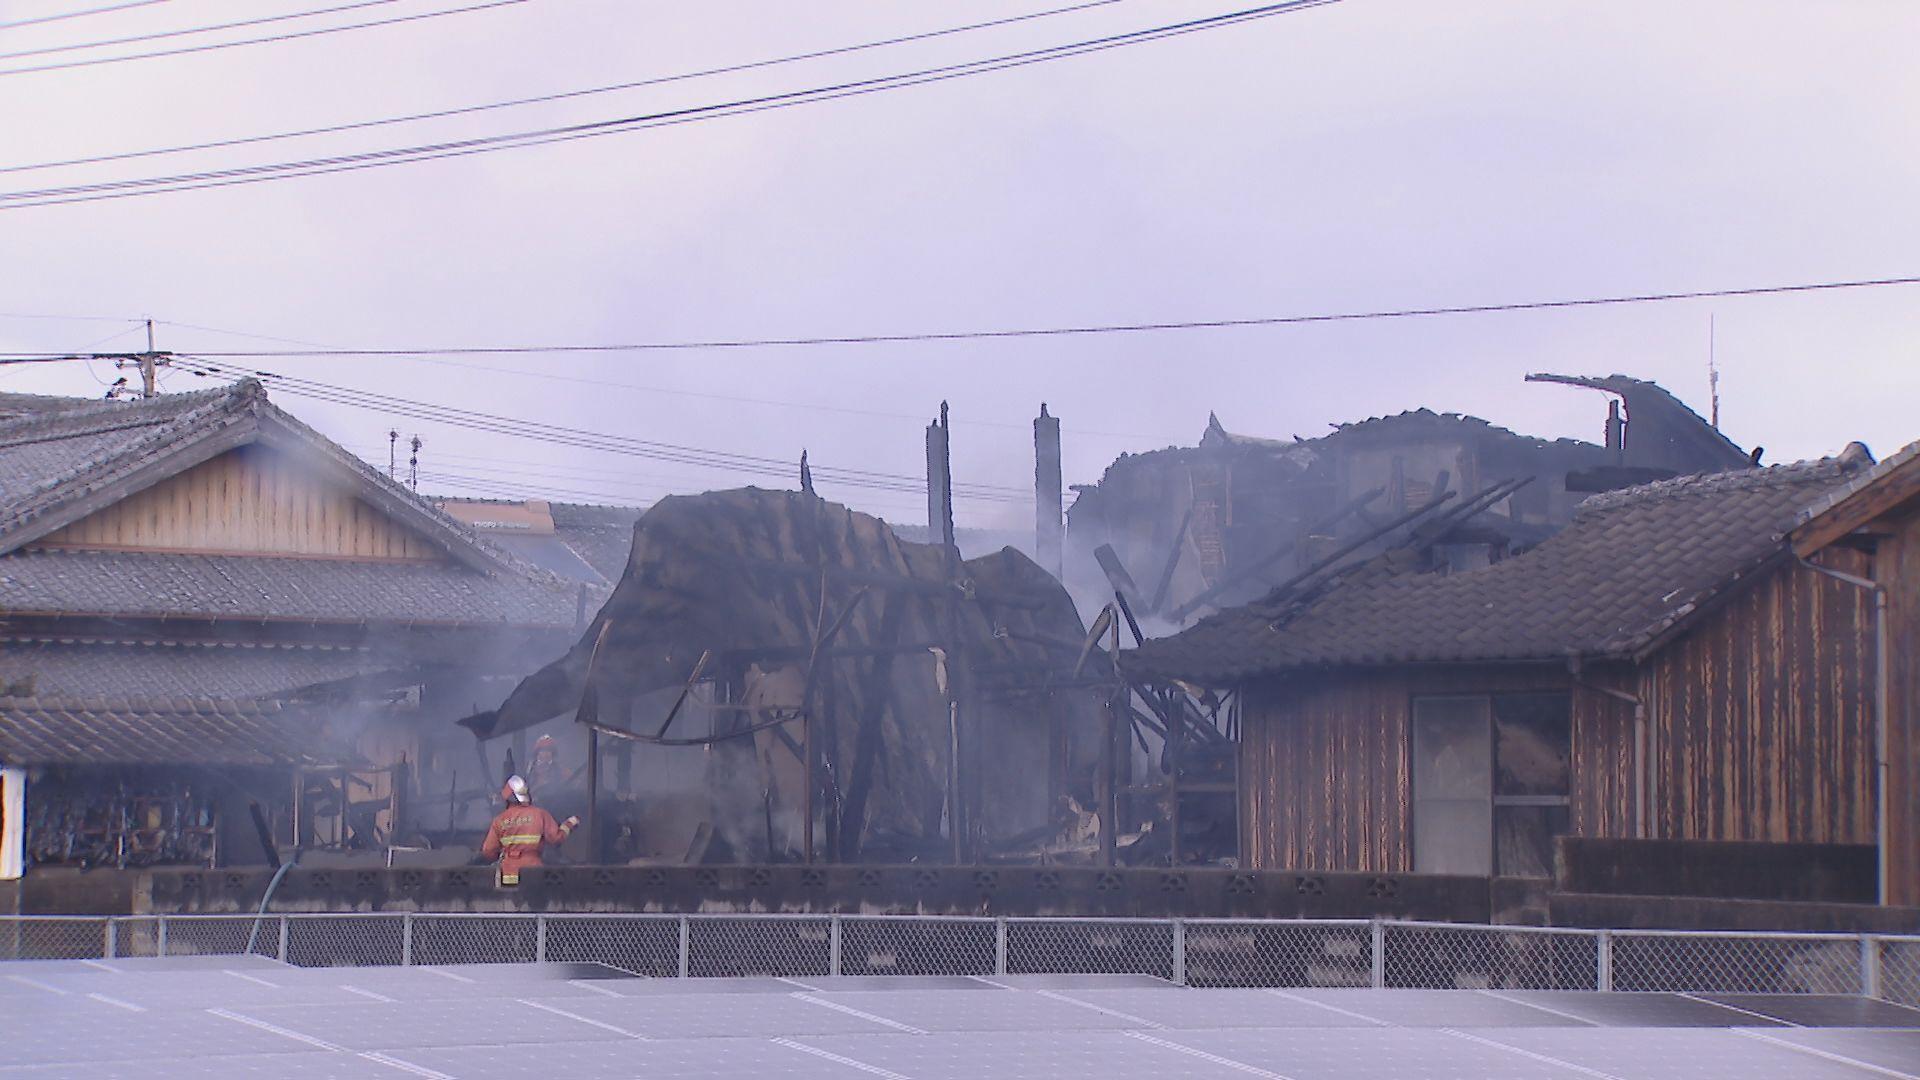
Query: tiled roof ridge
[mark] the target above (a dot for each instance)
(102, 468)
(1816, 470)
(89, 417)
(191, 706)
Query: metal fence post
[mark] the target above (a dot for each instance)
(833, 945)
(1869, 966)
(686, 950)
(999, 946)
(285, 922)
(1603, 949)
(539, 939)
(160, 937)
(109, 946)
(406, 940)
(1180, 952)
(1379, 954)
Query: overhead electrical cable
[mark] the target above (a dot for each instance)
(294, 35)
(1054, 331)
(61, 17)
(160, 35)
(560, 96)
(594, 129)
(594, 440)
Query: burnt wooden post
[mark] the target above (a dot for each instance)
(939, 482)
(593, 794)
(1048, 528)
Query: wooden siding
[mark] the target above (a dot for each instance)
(1763, 714)
(1896, 565)
(1326, 773)
(253, 501)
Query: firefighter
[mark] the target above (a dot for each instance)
(543, 774)
(520, 831)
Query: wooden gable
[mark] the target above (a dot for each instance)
(254, 500)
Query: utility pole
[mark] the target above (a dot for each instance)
(1713, 374)
(148, 365)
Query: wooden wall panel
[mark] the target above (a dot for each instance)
(1896, 565)
(254, 501)
(1324, 775)
(1763, 715)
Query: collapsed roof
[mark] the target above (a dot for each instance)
(1632, 565)
(877, 630)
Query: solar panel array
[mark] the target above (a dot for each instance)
(246, 1016)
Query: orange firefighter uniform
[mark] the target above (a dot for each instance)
(519, 832)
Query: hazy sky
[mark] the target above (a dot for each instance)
(1369, 154)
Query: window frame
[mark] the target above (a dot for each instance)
(1495, 800)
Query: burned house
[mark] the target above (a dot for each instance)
(1217, 524)
(205, 604)
(776, 677)
(1665, 667)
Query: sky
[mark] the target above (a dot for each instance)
(1358, 156)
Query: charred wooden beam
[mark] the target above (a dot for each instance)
(1165, 582)
(1257, 566)
(1049, 530)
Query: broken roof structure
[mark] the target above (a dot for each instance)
(1219, 523)
(1630, 567)
(931, 698)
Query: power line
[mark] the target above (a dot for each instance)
(594, 440)
(615, 384)
(1061, 331)
(163, 34)
(538, 137)
(563, 95)
(291, 36)
(78, 14)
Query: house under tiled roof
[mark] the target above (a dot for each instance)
(53, 667)
(187, 563)
(122, 731)
(1633, 564)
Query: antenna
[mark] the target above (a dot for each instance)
(1713, 375)
(413, 466)
(393, 452)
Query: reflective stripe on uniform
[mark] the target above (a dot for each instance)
(521, 838)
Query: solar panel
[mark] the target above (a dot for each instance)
(707, 1016)
(1176, 1008)
(1022, 1054)
(1822, 1010)
(936, 1010)
(1676, 1053)
(1636, 1009)
(1883, 1048)
(1436, 1008)
(91, 1032)
(672, 1060)
(227, 1016)
(1371, 1054)
(429, 1023)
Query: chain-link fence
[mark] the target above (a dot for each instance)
(1194, 952)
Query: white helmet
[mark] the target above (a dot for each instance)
(515, 791)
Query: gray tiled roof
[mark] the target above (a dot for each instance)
(127, 583)
(1893, 462)
(90, 669)
(1633, 563)
(122, 731)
